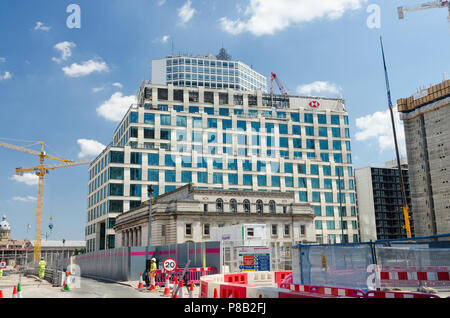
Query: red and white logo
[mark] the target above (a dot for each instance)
(314, 104)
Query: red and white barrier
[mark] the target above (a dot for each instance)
(414, 278)
(386, 294)
(265, 285)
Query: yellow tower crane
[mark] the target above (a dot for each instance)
(41, 170)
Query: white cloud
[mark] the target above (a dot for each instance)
(41, 26)
(27, 178)
(2, 59)
(66, 51)
(186, 12)
(161, 2)
(85, 68)
(103, 87)
(319, 88)
(6, 75)
(89, 148)
(28, 198)
(98, 89)
(115, 108)
(165, 38)
(267, 16)
(378, 126)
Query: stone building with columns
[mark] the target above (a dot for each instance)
(190, 213)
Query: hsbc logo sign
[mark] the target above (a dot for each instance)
(314, 104)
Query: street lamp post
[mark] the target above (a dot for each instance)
(149, 241)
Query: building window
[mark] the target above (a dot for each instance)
(287, 230)
(302, 230)
(246, 206)
(205, 207)
(259, 206)
(272, 207)
(188, 229)
(219, 205)
(206, 229)
(274, 230)
(233, 206)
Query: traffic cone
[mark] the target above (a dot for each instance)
(191, 291)
(153, 287)
(180, 290)
(167, 288)
(175, 283)
(14, 295)
(216, 295)
(19, 291)
(66, 285)
(141, 283)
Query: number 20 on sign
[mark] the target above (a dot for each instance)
(169, 265)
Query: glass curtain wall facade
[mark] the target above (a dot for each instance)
(208, 72)
(227, 139)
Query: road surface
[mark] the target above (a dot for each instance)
(89, 288)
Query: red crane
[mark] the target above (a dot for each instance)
(274, 77)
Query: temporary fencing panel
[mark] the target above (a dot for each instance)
(334, 265)
(413, 266)
(122, 264)
(111, 264)
(367, 266)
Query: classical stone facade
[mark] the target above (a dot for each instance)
(189, 213)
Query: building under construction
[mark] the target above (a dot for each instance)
(426, 117)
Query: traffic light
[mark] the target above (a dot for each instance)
(150, 191)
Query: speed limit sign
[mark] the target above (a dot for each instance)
(2, 265)
(169, 265)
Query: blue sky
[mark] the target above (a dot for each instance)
(323, 47)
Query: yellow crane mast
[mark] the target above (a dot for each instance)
(41, 170)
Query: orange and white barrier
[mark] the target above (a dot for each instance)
(180, 290)
(141, 282)
(166, 287)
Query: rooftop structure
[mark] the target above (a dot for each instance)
(207, 71)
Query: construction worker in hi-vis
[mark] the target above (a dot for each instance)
(42, 264)
(153, 269)
(1, 272)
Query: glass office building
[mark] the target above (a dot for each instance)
(207, 71)
(227, 139)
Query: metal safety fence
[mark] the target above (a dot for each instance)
(413, 263)
(192, 275)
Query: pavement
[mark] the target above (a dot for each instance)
(33, 287)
